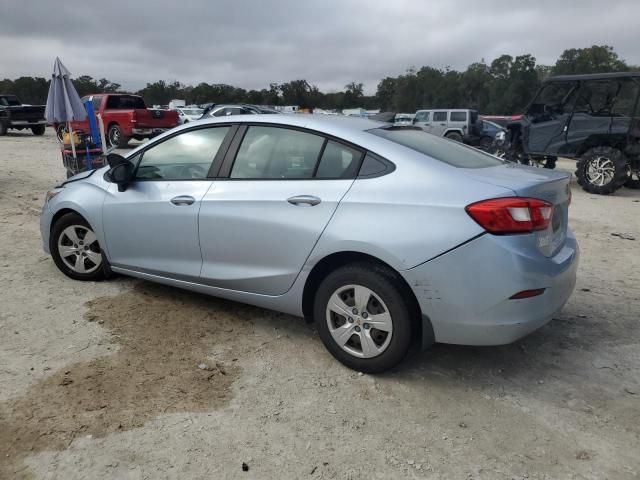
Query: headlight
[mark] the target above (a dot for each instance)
(501, 136)
(53, 193)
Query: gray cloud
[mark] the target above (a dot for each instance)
(329, 43)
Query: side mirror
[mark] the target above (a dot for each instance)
(121, 174)
(114, 159)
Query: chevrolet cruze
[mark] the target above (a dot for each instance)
(384, 236)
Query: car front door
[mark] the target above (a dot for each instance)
(423, 119)
(278, 189)
(152, 226)
(439, 123)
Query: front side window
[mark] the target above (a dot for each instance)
(458, 116)
(422, 117)
(555, 98)
(187, 156)
(272, 153)
(338, 161)
(439, 116)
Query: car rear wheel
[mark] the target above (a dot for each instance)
(38, 130)
(455, 136)
(363, 318)
(75, 249)
(485, 144)
(602, 170)
(115, 137)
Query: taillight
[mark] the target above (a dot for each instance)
(511, 214)
(134, 117)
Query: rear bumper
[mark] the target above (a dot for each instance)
(148, 132)
(27, 123)
(464, 294)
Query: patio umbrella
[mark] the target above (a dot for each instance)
(63, 102)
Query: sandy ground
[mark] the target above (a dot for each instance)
(129, 380)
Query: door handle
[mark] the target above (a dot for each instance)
(304, 200)
(183, 200)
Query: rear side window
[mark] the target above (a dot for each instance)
(125, 102)
(270, 152)
(439, 116)
(96, 101)
(452, 153)
(458, 116)
(338, 161)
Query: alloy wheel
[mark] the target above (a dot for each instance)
(359, 321)
(79, 249)
(600, 171)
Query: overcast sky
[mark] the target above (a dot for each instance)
(329, 43)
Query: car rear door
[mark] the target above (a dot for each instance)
(275, 193)
(152, 227)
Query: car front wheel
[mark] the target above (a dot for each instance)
(363, 318)
(75, 249)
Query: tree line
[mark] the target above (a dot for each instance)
(503, 86)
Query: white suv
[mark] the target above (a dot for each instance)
(455, 124)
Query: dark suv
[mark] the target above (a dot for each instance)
(593, 118)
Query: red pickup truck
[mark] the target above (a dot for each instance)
(125, 117)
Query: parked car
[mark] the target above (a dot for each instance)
(189, 114)
(223, 110)
(403, 119)
(383, 235)
(15, 115)
(592, 118)
(125, 117)
(455, 124)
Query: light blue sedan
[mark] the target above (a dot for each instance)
(384, 236)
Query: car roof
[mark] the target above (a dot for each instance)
(302, 120)
(592, 76)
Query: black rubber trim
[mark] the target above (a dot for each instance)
(77, 179)
(451, 249)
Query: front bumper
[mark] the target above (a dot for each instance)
(45, 226)
(464, 294)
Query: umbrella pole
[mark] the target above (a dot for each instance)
(73, 144)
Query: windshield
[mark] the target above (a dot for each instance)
(9, 101)
(447, 151)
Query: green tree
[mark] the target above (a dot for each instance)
(594, 59)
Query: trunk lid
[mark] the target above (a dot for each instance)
(549, 185)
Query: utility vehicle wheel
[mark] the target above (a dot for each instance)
(3, 129)
(602, 170)
(75, 249)
(455, 136)
(60, 131)
(115, 137)
(38, 130)
(633, 179)
(363, 318)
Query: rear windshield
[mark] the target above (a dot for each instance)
(447, 151)
(125, 102)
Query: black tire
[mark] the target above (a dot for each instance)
(80, 225)
(486, 144)
(38, 130)
(455, 136)
(384, 285)
(633, 179)
(60, 131)
(550, 162)
(3, 129)
(115, 137)
(587, 170)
